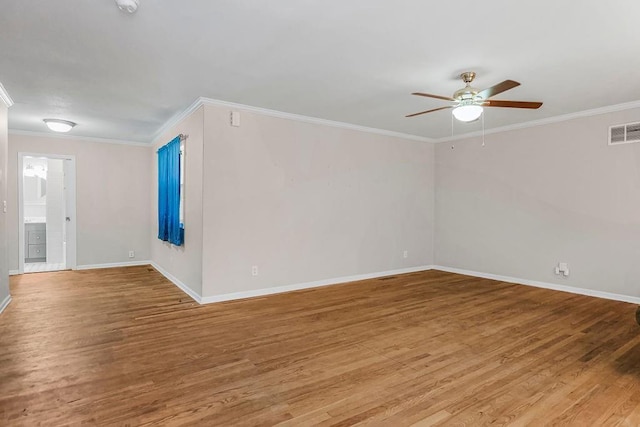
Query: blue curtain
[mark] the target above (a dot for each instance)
(169, 227)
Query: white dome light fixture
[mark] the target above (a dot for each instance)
(129, 6)
(467, 112)
(58, 125)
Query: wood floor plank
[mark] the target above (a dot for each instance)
(124, 346)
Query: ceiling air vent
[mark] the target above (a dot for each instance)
(624, 134)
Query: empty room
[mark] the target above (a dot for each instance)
(301, 213)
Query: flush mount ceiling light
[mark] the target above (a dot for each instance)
(129, 6)
(57, 125)
(467, 113)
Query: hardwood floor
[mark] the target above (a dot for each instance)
(126, 347)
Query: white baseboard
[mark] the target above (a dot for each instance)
(94, 266)
(173, 279)
(545, 285)
(316, 284)
(5, 303)
(112, 265)
(308, 285)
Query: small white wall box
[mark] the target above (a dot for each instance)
(235, 118)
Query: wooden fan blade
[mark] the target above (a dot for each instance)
(428, 111)
(511, 104)
(499, 88)
(428, 95)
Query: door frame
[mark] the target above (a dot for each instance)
(70, 193)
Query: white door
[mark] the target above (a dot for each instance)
(55, 213)
(65, 233)
(70, 212)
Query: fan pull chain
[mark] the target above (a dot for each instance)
(452, 125)
(452, 146)
(483, 129)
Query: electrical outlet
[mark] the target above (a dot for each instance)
(405, 254)
(254, 270)
(562, 268)
(132, 254)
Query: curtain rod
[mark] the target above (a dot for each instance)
(183, 137)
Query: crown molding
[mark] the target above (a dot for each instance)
(202, 101)
(541, 122)
(4, 95)
(312, 120)
(175, 120)
(281, 115)
(78, 138)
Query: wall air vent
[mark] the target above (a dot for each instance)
(624, 134)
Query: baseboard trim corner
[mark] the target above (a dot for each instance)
(112, 265)
(173, 279)
(5, 303)
(14, 272)
(545, 285)
(308, 285)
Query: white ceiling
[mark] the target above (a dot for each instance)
(356, 61)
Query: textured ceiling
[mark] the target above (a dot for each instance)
(123, 76)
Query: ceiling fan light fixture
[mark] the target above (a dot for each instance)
(58, 125)
(467, 113)
(469, 102)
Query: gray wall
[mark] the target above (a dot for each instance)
(308, 202)
(537, 196)
(4, 269)
(182, 262)
(112, 197)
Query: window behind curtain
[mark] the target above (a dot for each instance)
(182, 185)
(169, 179)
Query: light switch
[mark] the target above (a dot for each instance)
(4, 206)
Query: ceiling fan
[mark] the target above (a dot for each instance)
(469, 101)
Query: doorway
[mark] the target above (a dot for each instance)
(46, 212)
